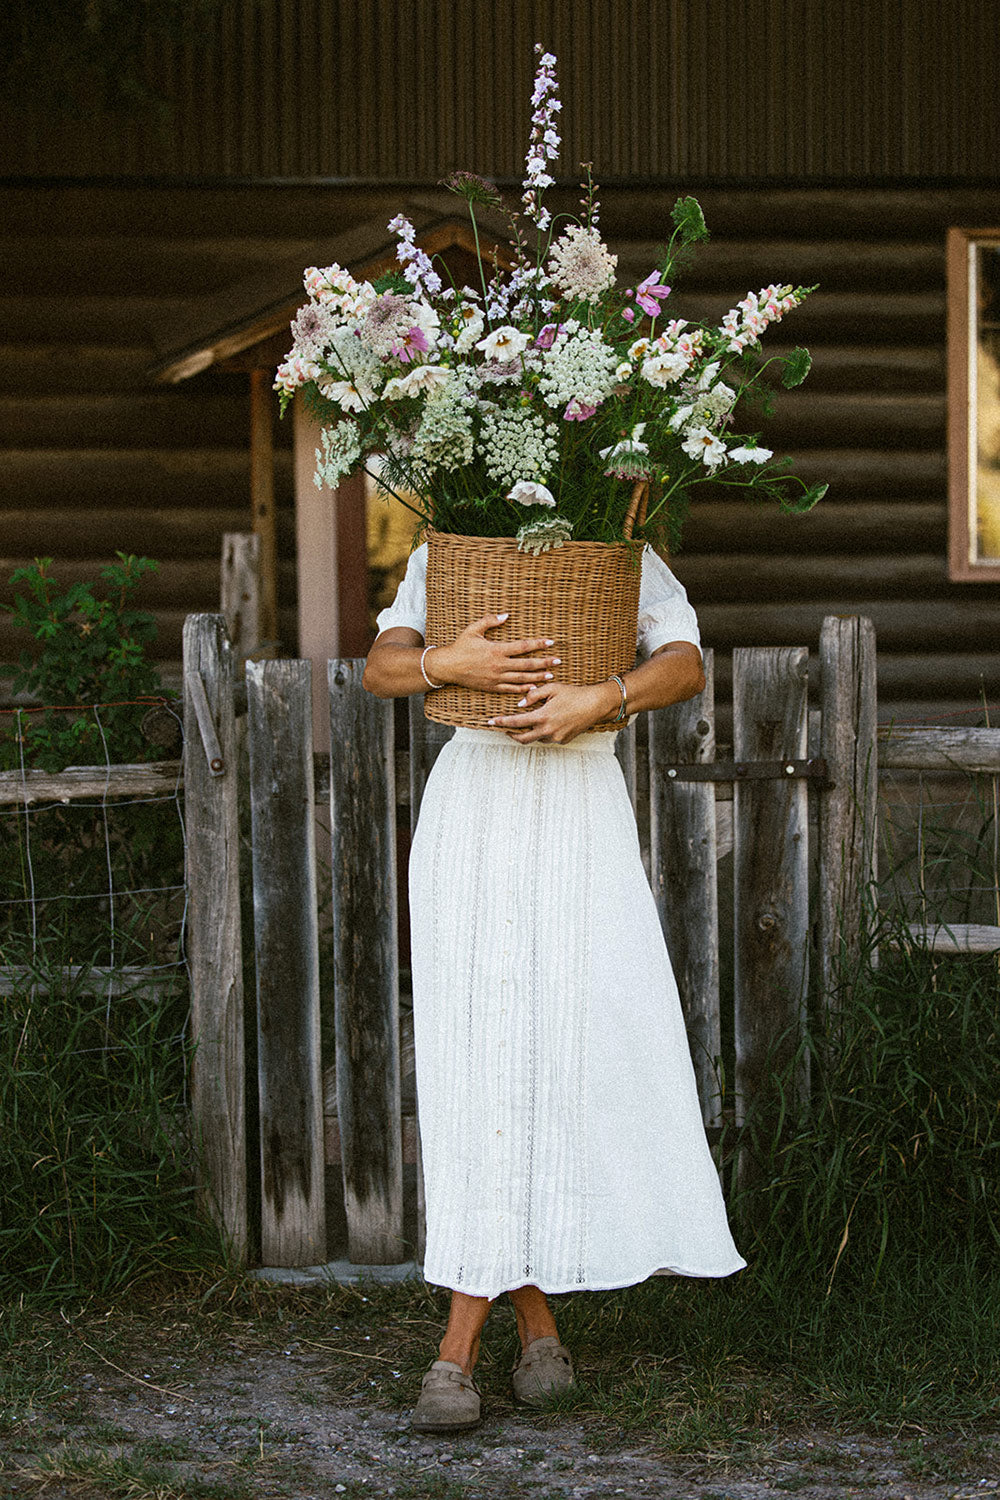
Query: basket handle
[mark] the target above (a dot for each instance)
(636, 513)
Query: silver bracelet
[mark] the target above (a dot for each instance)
(423, 669)
(623, 710)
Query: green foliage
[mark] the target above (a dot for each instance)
(90, 648)
(95, 1155)
(795, 368)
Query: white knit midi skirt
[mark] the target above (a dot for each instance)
(561, 1132)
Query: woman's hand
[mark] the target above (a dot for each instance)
(473, 660)
(556, 712)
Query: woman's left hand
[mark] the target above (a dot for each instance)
(556, 712)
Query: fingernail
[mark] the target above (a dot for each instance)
(557, 661)
(548, 677)
(550, 643)
(491, 721)
(502, 617)
(521, 702)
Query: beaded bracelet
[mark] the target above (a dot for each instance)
(623, 710)
(423, 669)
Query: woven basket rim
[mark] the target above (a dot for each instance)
(432, 533)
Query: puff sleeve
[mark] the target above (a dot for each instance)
(664, 612)
(409, 608)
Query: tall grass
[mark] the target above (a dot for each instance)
(95, 1161)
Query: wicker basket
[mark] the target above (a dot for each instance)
(582, 595)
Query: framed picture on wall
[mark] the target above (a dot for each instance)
(974, 404)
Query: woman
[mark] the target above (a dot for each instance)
(562, 1139)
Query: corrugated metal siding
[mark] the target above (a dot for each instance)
(681, 89)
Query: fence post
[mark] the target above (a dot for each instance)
(683, 857)
(239, 591)
(771, 874)
(366, 964)
(213, 926)
(427, 737)
(847, 808)
(286, 946)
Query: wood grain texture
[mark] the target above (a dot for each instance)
(239, 590)
(214, 948)
(286, 949)
(771, 875)
(684, 875)
(939, 749)
(847, 808)
(366, 964)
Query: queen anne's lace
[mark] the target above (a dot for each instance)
(580, 264)
(517, 444)
(580, 367)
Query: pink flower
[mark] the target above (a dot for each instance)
(414, 341)
(546, 338)
(649, 294)
(628, 315)
(578, 411)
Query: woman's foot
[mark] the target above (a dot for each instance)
(449, 1400)
(544, 1370)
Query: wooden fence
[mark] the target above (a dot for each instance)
(692, 809)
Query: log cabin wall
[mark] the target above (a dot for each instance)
(836, 154)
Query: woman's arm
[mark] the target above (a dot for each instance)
(557, 712)
(471, 660)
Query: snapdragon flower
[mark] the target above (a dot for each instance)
(543, 145)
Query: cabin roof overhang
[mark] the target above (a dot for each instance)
(245, 325)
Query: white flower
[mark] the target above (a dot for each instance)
(471, 321)
(707, 375)
(344, 392)
(639, 350)
(516, 444)
(632, 445)
(580, 367)
(717, 402)
(682, 415)
(628, 459)
(295, 372)
(422, 378)
(702, 443)
(544, 533)
(580, 264)
(623, 371)
(750, 455)
(664, 368)
(529, 492)
(341, 451)
(504, 344)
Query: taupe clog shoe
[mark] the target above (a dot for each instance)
(449, 1400)
(543, 1371)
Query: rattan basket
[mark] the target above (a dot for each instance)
(582, 595)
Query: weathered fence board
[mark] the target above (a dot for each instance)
(213, 934)
(951, 749)
(847, 808)
(771, 874)
(366, 964)
(683, 855)
(955, 937)
(240, 590)
(286, 949)
(82, 783)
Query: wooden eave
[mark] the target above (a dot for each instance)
(245, 326)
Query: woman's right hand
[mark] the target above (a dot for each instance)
(473, 660)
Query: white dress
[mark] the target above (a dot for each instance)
(562, 1138)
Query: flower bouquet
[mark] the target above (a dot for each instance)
(546, 406)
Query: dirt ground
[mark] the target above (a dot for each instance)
(150, 1411)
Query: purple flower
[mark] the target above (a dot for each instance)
(649, 294)
(547, 336)
(578, 411)
(628, 315)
